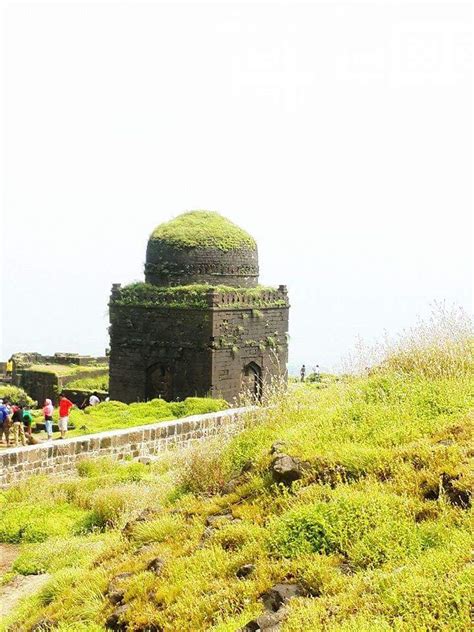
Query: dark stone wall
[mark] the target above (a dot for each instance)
(175, 340)
(41, 385)
(247, 336)
(167, 265)
(199, 352)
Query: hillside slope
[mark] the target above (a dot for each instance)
(374, 532)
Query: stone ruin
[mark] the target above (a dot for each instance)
(38, 374)
(200, 325)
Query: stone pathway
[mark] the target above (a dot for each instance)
(20, 586)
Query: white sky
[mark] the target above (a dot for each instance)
(338, 134)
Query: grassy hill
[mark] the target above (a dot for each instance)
(376, 532)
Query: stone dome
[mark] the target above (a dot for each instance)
(201, 247)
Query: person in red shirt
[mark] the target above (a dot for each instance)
(64, 407)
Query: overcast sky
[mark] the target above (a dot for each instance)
(338, 134)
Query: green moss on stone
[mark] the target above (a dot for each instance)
(203, 229)
(190, 296)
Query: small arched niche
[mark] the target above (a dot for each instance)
(159, 382)
(252, 381)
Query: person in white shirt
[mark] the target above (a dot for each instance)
(94, 400)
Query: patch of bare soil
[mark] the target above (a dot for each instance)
(20, 586)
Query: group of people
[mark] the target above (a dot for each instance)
(16, 419)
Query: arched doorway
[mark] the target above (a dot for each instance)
(252, 381)
(159, 382)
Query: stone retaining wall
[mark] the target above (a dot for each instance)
(58, 457)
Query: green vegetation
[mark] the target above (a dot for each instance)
(16, 395)
(66, 370)
(192, 296)
(203, 229)
(114, 415)
(378, 530)
(100, 383)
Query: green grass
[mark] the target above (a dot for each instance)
(16, 395)
(378, 530)
(66, 370)
(115, 415)
(203, 229)
(100, 383)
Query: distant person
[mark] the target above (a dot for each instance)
(27, 420)
(48, 410)
(94, 399)
(4, 424)
(317, 373)
(65, 406)
(9, 367)
(17, 424)
(303, 373)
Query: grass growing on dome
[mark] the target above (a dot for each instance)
(203, 229)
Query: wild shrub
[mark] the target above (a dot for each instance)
(159, 530)
(23, 522)
(16, 395)
(57, 553)
(202, 469)
(366, 527)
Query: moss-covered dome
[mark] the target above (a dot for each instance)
(201, 247)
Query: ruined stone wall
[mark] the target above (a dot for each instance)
(60, 457)
(42, 384)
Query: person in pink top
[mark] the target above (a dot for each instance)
(48, 410)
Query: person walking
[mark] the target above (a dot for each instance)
(303, 373)
(65, 406)
(48, 410)
(17, 423)
(4, 424)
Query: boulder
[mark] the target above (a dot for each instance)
(277, 596)
(155, 565)
(286, 469)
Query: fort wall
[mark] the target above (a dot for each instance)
(55, 458)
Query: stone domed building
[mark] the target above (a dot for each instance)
(200, 324)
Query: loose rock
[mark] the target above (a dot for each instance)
(245, 570)
(115, 620)
(277, 447)
(268, 621)
(114, 592)
(286, 469)
(155, 565)
(277, 596)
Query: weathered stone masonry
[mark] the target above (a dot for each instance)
(200, 325)
(60, 457)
